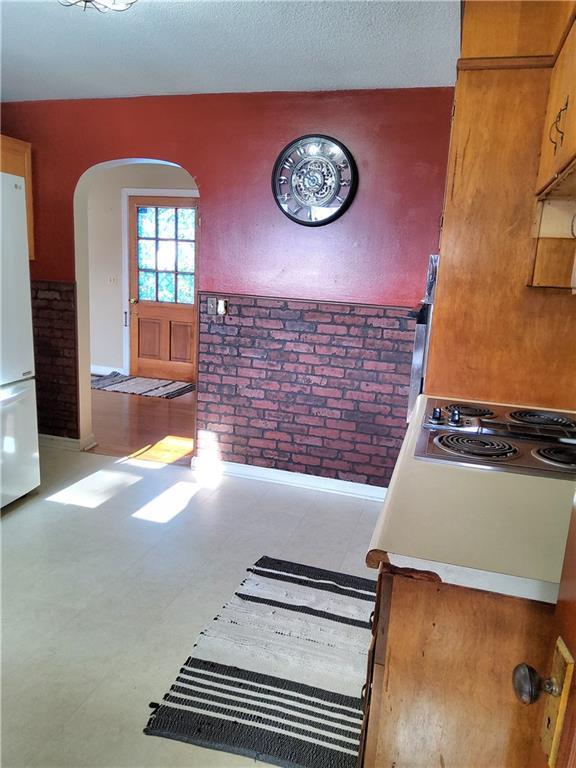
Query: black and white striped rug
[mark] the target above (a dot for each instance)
(139, 385)
(278, 674)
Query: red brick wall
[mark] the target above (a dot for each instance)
(54, 319)
(306, 386)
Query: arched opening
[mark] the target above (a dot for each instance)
(104, 258)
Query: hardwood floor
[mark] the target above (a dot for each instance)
(152, 427)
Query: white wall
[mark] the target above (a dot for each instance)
(105, 251)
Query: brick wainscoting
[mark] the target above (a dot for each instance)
(54, 319)
(306, 386)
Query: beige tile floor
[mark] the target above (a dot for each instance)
(100, 607)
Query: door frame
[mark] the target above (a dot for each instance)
(128, 192)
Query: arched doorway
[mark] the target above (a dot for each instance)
(102, 259)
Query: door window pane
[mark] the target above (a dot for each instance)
(147, 254)
(167, 222)
(147, 286)
(185, 289)
(186, 223)
(146, 222)
(167, 255)
(166, 286)
(186, 257)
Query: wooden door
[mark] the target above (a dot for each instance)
(564, 626)
(163, 307)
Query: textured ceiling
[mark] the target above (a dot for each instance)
(203, 46)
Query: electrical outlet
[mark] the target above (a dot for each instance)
(222, 307)
(212, 305)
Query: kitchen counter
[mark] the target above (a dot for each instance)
(501, 531)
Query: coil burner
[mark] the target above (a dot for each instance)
(476, 446)
(557, 455)
(541, 419)
(473, 411)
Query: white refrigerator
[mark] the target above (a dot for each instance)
(19, 462)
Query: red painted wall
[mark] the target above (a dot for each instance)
(376, 253)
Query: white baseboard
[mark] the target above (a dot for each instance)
(104, 370)
(312, 482)
(67, 443)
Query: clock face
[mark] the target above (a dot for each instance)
(314, 180)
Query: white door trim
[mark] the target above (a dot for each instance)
(126, 193)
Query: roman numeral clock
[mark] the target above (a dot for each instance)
(314, 180)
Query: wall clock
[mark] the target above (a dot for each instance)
(314, 180)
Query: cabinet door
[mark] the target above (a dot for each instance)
(16, 158)
(559, 139)
(445, 697)
(565, 627)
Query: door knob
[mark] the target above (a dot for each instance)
(133, 301)
(528, 685)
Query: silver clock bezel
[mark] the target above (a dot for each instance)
(336, 158)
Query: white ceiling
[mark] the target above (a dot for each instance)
(209, 46)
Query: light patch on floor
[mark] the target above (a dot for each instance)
(94, 490)
(101, 602)
(167, 504)
(169, 450)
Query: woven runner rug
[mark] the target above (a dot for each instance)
(278, 674)
(138, 385)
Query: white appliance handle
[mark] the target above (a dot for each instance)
(14, 397)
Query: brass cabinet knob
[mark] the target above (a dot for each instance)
(133, 301)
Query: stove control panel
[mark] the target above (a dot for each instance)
(441, 418)
(472, 417)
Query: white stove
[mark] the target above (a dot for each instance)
(495, 437)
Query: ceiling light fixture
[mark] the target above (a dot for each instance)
(101, 5)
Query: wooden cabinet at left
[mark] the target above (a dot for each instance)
(16, 158)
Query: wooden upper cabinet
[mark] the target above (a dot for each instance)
(559, 139)
(16, 158)
(510, 28)
(512, 344)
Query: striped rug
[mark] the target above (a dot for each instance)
(278, 674)
(139, 385)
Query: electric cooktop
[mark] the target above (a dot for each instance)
(510, 439)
